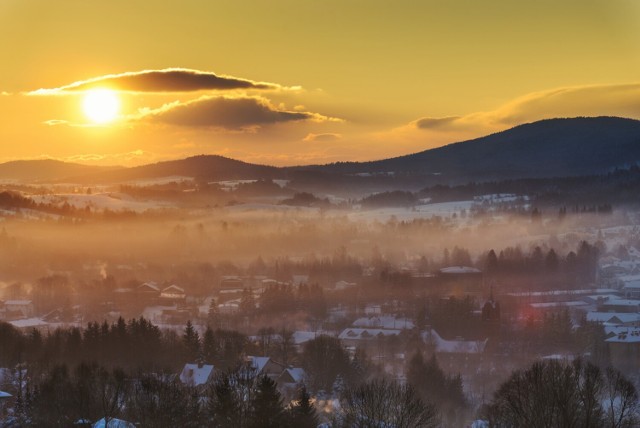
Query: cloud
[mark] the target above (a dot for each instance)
(111, 158)
(54, 122)
(160, 81)
(230, 113)
(593, 100)
(436, 122)
(589, 100)
(322, 137)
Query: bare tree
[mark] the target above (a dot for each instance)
(553, 393)
(621, 401)
(383, 403)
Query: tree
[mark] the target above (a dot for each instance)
(622, 407)
(191, 341)
(267, 408)
(208, 346)
(381, 403)
(491, 262)
(224, 403)
(303, 413)
(324, 359)
(561, 394)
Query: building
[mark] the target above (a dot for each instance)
(196, 374)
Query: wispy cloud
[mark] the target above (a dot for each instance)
(134, 156)
(229, 113)
(162, 81)
(589, 100)
(592, 100)
(328, 136)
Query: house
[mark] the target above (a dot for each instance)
(148, 289)
(614, 318)
(196, 374)
(301, 337)
(353, 336)
(231, 284)
(265, 366)
(15, 309)
(620, 305)
(460, 279)
(456, 346)
(173, 292)
(631, 286)
(290, 380)
(27, 324)
(624, 349)
(384, 321)
(113, 423)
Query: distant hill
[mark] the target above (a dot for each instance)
(46, 170)
(203, 167)
(548, 148)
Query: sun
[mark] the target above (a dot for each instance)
(101, 105)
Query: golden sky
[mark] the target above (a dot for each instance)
(304, 81)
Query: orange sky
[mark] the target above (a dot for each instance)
(304, 81)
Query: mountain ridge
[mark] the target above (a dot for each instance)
(546, 148)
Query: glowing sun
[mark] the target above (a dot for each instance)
(101, 105)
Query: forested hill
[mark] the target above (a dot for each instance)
(548, 148)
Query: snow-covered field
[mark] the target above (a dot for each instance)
(100, 201)
(442, 209)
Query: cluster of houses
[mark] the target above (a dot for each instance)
(287, 378)
(616, 307)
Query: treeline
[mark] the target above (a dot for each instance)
(577, 266)
(86, 393)
(283, 298)
(617, 187)
(564, 394)
(130, 345)
(241, 398)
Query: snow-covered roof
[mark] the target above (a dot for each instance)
(629, 278)
(300, 337)
(113, 423)
(150, 285)
(366, 333)
(625, 337)
(544, 305)
(631, 285)
(29, 323)
(384, 321)
(17, 302)
(459, 270)
(454, 346)
(195, 375)
(297, 374)
(613, 317)
(591, 291)
(622, 302)
(173, 289)
(258, 363)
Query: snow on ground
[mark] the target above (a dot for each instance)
(442, 209)
(100, 201)
(257, 207)
(160, 180)
(229, 185)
